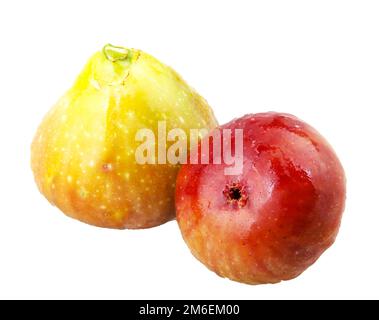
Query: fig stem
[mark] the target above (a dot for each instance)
(114, 53)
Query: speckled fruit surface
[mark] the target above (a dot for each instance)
(83, 154)
(274, 220)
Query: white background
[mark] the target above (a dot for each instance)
(316, 59)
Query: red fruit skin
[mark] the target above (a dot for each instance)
(295, 190)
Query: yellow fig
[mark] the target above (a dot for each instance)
(84, 152)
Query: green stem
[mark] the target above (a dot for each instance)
(113, 53)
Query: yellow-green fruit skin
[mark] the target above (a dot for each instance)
(83, 154)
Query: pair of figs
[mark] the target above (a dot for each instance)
(265, 223)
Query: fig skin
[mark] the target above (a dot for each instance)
(276, 218)
(83, 154)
